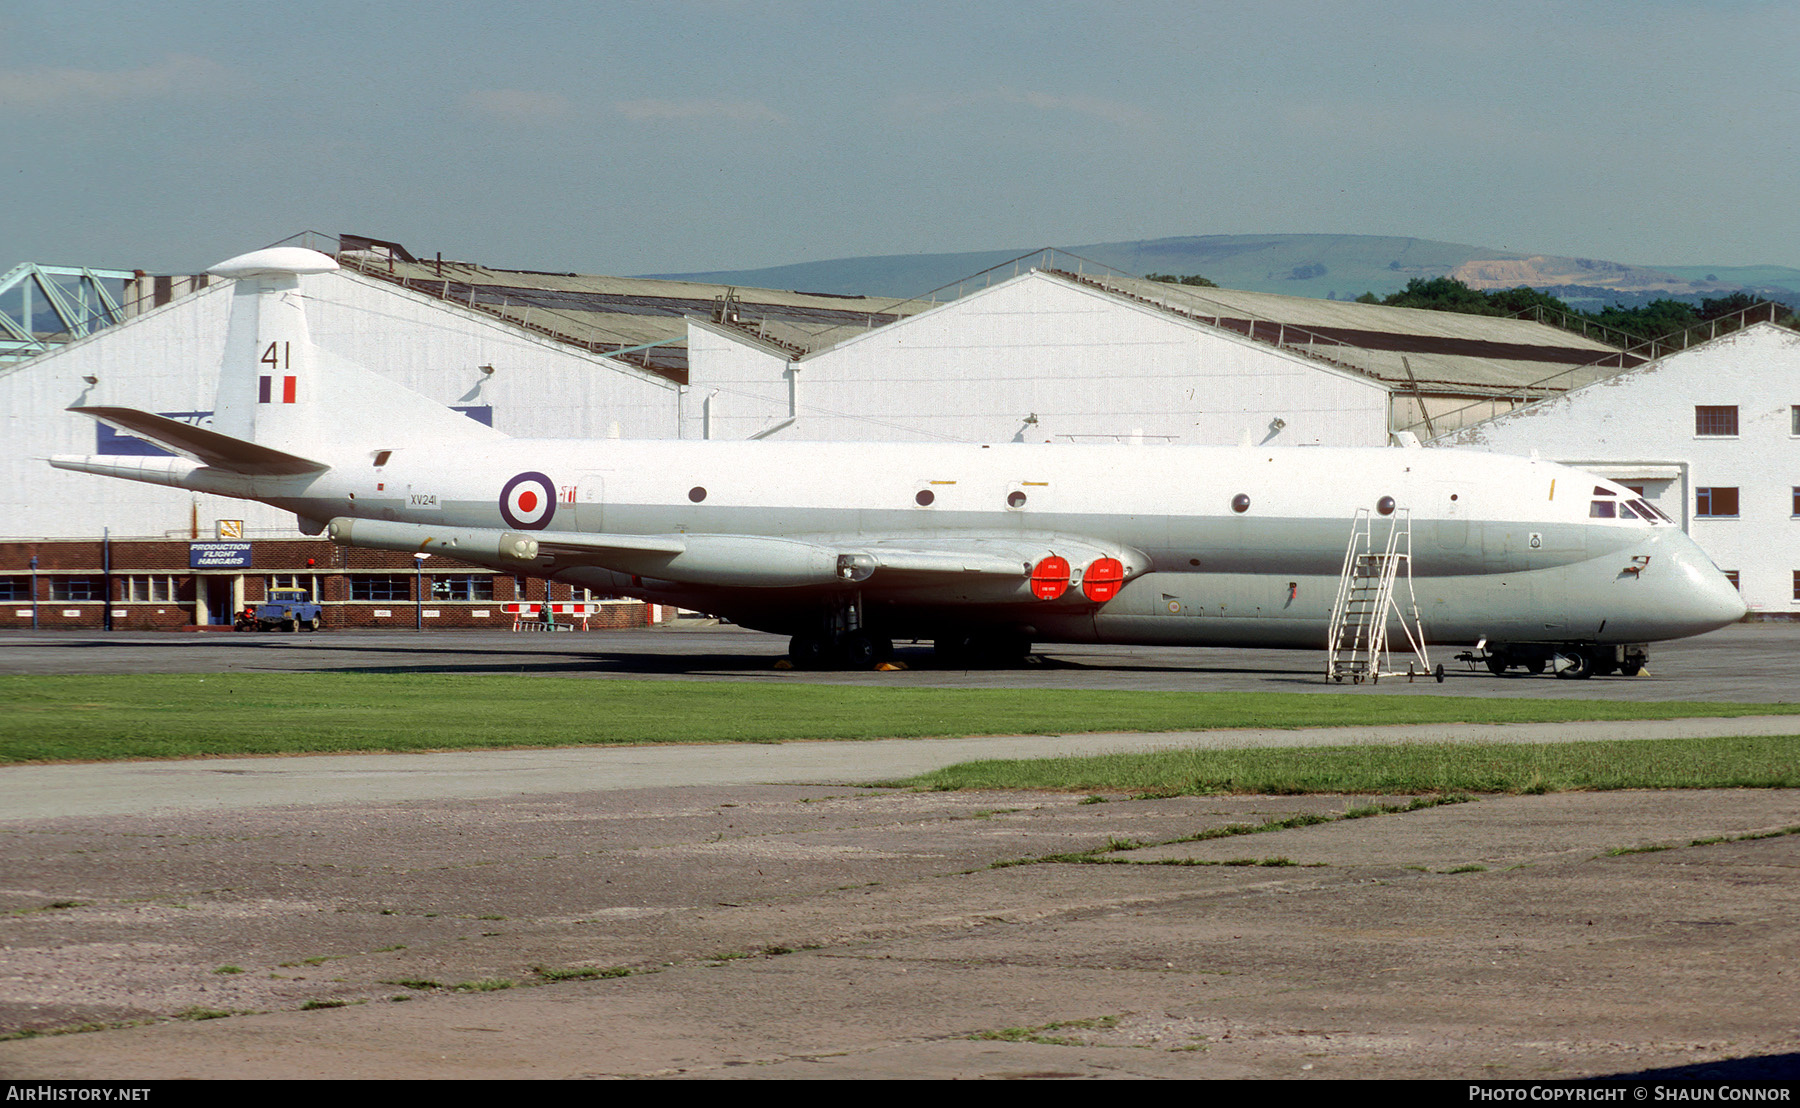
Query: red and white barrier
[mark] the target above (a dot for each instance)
(534, 613)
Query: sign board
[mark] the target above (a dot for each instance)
(218, 555)
(230, 529)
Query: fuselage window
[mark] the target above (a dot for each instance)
(925, 497)
(1385, 505)
(1015, 499)
(1240, 503)
(697, 494)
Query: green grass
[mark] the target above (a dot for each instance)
(582, 973)
(1736, 762)
(1038, 1034)
(95, 718)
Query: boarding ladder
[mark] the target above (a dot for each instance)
(1357, 645)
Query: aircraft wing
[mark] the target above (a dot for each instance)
(1008, 563)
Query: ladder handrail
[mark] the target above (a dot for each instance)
(1359, 527)
(1357, 637)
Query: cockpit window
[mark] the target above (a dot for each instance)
(1602, 491)
(1601, 509)
(1650, 511)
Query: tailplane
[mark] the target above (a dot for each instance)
(204, 446)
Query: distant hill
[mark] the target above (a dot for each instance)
(1338, 267)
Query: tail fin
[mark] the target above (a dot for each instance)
(278, 390)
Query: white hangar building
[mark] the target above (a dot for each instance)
(1052, 355)
(1710, 434)
(167, 360)
(533, 354)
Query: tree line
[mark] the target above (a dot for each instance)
(1447, 294)
(1652, 320)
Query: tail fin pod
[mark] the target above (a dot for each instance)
(267, 390)
(278, 390)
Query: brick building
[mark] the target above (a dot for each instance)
(170, 585)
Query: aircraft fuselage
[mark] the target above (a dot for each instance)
(1502, 548)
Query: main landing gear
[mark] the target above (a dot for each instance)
(840, 641)
(852, 650)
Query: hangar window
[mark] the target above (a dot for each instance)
(1716, 420)
(77, 588)
(462, 586)
(14, 589)
(1716, 503)
(1796, 489)
(153, 588)
(1797, 584)
(1794, 418)
(380, 586)
(295, 581)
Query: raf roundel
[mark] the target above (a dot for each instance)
(528, 502)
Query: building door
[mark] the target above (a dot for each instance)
(220, 604)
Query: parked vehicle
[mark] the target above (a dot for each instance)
(284, 610)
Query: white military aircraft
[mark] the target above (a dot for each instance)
(984, 548)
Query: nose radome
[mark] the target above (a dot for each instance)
(1708, 597)
(1727, 603)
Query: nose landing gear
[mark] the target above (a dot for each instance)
(1569, 661)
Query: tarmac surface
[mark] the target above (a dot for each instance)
(1745, 662)
(687, 911)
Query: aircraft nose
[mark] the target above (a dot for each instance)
(1708, 597)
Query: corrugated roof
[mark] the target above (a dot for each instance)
(1445, 351)
(624, 316)
(643, 320)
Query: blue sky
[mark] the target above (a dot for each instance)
(711, 134)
